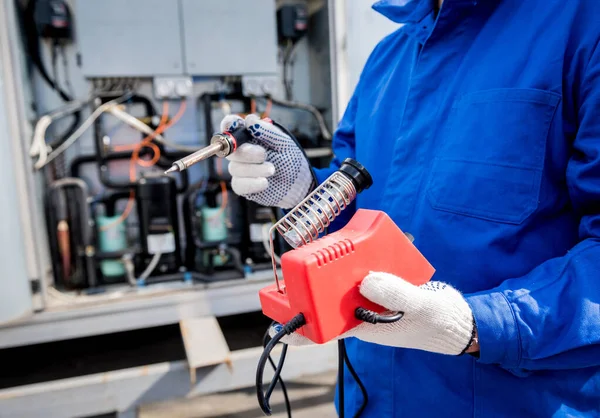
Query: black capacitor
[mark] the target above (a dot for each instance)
(156, 199)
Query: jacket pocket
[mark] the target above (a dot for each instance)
(491, 159)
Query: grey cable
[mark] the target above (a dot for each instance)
(150, 268)
(325, 132)
(127, 260)
(142, 127)
(42, 162)
(178, 147)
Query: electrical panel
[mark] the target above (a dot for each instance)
(145, 38)
(133, 38)
(230, 37)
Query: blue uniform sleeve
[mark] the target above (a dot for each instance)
(550, 318)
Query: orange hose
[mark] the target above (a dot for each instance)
(136, 160)
(155, 156)
(163, 120)
(223, 195)
(224, 192)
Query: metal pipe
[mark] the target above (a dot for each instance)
(196, 157)
(80, 160)
(84, 221)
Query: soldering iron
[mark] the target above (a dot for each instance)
(221, 145)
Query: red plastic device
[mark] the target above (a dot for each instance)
(321, 278)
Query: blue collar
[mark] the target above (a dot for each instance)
(411, 11)
(404, 11)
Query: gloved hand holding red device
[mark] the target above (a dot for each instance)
(436, 316)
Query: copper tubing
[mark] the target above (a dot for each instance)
(84, 224)
(64, 248)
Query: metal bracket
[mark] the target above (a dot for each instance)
(204, 343)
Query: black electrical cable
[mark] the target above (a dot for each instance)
(359, 382)
(263, 398)
(66, 72)
(54, 60)
(287, 65)
(277, 374)
(32, 47)
(288, 406)
(341, 359)
(375, 318)
(77, 115)
(316, 113)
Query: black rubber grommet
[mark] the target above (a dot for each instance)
(359, 175)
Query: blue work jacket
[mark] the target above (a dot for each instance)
(480, 125)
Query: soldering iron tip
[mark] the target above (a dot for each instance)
(172, 169)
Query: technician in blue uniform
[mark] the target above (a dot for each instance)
(480, 123)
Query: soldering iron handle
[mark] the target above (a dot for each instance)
(241, 135)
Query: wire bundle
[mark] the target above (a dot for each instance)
(264, 397)
(135, 156)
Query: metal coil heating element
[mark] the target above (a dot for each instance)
(310, 218)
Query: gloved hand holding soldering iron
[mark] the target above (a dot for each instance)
(273, 170)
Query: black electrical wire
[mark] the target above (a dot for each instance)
(287, 66)
(54, 60)
(341, 360)
(288, 407)
(67, 74)
(32, 47)
(277, 374)
(76, 116)
(316, 113)
(263, 397)
(359, 382)
(375, 318)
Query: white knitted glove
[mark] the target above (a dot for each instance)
(273, 170)
(436, 316)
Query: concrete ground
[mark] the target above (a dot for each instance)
(311, 397)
